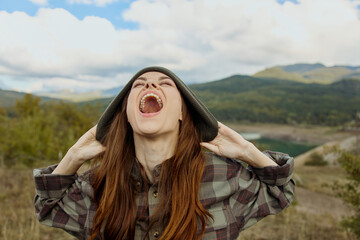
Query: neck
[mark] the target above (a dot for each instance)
(151, 151)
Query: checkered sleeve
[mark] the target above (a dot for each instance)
(276, 175)
(63, 201)
(263, 191)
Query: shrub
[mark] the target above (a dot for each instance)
(350, 191)
(315, 159)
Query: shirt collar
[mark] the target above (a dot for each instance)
(136, 174)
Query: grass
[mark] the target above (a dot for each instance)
(315, 177)
(296, 225)
(17, 218)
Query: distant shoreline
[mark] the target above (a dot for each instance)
(316, 135)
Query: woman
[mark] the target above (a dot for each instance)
(153, 180)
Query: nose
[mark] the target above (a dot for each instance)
(150, 84)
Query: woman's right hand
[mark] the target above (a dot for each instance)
(86, 148)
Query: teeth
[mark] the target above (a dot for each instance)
(142, 102)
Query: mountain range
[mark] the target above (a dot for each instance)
(301, 72)
(310, 73)
(247, 98)
(80, 96)
(269, 98)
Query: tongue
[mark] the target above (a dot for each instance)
(151, 105)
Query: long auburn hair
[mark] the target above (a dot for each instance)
(114, 190)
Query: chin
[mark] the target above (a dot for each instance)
(148, 129)
(153, 130)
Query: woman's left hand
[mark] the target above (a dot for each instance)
(228, 143)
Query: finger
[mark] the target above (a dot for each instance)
(215, 141)
(210, 147)
(93, 129)
(222, 128)
(227, 131)
(98, 150)
(101, 148)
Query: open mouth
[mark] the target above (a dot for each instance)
(150, 103)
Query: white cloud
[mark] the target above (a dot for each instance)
(79, 1)
(200, 40)
(2, 85)
(39, 2)
(261, 32)
(99, 3)
(81, 84)
(37, 86)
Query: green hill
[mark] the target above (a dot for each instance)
(73, 96)
(311, 73)
(277, 72)
(8, 98)
(250, 99)
(302, 67)
(244, 98)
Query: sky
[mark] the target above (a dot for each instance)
(84, 45)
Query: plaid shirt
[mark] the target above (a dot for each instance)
(236, 196)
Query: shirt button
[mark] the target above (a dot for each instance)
(156, 234)
(138, 184)
(155, 194)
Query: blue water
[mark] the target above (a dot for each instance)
(291, 148)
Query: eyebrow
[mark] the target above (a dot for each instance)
(161, 78)
(164, 77)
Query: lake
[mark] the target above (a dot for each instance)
(263, 143)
